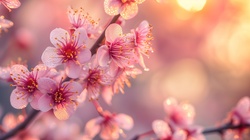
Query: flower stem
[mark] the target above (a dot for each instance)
(21, 126)
(98, 107)
(99, 40)
(143, 135)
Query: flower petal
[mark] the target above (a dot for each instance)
(93, 127)
(124, 121)
(180, 135)
(73, 69)
(74, 89)
(84, 56)
(18, 72)
(111, 7)
(18, 99)
(46, 85)
(50, 57)
(107, 94)
(81, 36)
(112, 32)
(64, 112)
(161, 129)
(103, 55)
(128, 11)
(59, 37)
(36, 96)
(45, 103)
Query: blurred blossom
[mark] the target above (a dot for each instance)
(5, 24)
(192, 5)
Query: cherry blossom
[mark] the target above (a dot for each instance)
(93, 77)
(10, 4)
(126, 8)
(110, 125)
(61, 97)
(164, 132)
(26, 84)
(121, 78)
(241, 113)
(117, 51)
(142, 37)
(79, 19)
(69, 49)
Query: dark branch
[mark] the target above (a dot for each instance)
(224, 127)
(99, 40)
(21, 126)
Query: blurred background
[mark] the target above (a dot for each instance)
(201, 55)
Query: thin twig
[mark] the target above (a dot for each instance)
(21, 126)
(99, 40)
(143, 135)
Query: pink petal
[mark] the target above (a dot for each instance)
(12, 4)
(45, 103)
(170, 105)
(84, 56)
(139, 1)
(92, 128)
(124, 121)
(180, 135)
(64, 112)
(141, 62)
(128, 11)
(111, 7)
(50, 57)
(46, 85)
(73, 89)
(73, 69)
(18, 72)
(161, 129)
(112, 32)
(81, 36)
(59, 37)
(243, 106)
(18, 99)
(36, 96)
(103, 55)
(107, 94)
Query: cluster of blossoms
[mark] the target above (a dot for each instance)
(47, 87)
(58, 91)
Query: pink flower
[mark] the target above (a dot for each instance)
(241, 113)
(110, 125)
(59, 97)
(94, 77)
(69, 49)
(5, 24)
(180, 115)
(117, 50)
(10, 4)
(79, 19)
(164, 132)
(26, 85)
(142, 37)
(121, 77)
(126, 8)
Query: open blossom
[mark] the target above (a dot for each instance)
(126, 8)
(79, 19)
(26, 85)
(61, 97)
(121, 78)
(69, 49)
(117, 50)
(179, 114)
(10, 4)
(110, 125)
(241, 113)
(142, 37)
(94, 77)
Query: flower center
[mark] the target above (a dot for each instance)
(69, 53)
(94, 77)
(58, 96)
(30, 85)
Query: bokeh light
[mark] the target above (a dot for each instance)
(192, 5)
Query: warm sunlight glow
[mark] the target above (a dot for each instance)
(192, 5)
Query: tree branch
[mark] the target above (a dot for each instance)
(99, 40)
(21, 126)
